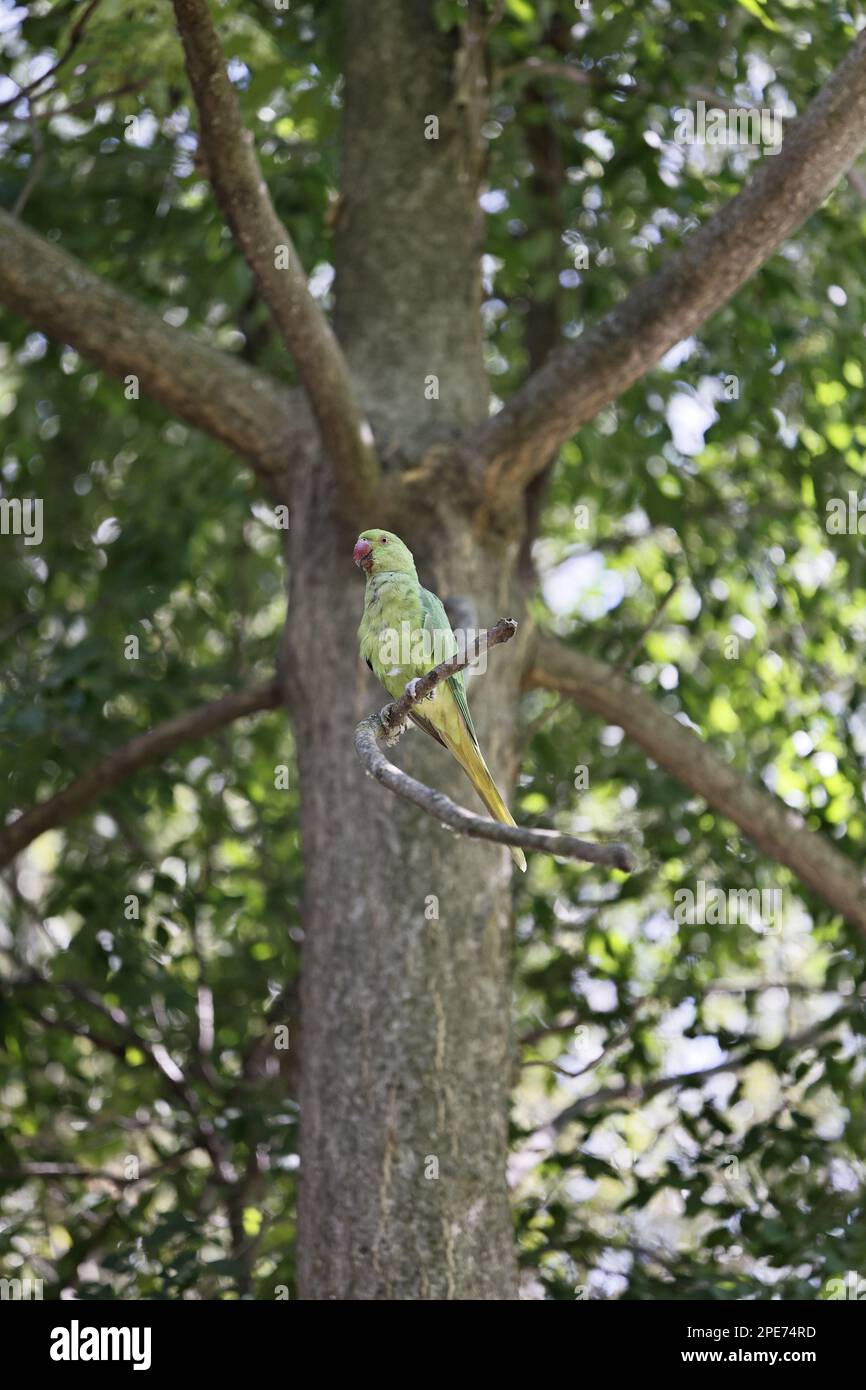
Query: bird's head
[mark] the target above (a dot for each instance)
(381, 552)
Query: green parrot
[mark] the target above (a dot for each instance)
(404, 633)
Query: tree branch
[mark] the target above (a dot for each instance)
(710, 266)
(243, 197)
(243, 408)
(141, 751)
(74, 108)
(638, 1094)
(55, 1171)
(624, 665)
(388, 724)
(777, 831)
(614, 1042)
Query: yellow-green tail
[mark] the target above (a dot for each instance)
(478, 773)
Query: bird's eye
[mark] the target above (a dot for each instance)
(384, 540)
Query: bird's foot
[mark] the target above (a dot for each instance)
(392, 730)
(412, 688)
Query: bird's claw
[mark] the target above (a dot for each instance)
(412, 688)
(392, 730)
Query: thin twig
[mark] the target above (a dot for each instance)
(632, 1094)
(95, 99)
(627, 660)
(51, 1171)
(155, 1052)
(75, 37)
(395, 715)
(614, 1041)
(547, 1030)
(37, 164)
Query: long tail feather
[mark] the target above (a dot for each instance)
(478, 773)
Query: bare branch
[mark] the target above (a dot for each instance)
(74, 108)
(243, 408)
(613, 1043)
(748, 991)
(548, 1030)
(267, 247)
(396, 714)
(56, 1171)
(141, 751)
(710, 266)
(777, 831)
(639, 1094)
(625, 665)
(387, 726)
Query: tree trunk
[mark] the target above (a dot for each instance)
(406, 966)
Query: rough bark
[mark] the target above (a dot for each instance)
(405, 1017)
(408, 253)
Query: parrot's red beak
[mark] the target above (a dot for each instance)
(363, 554)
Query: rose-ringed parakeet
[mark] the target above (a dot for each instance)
(404, 633)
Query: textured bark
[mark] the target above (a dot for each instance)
(408, 253)
(405, 1019)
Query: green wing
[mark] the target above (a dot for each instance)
(436, 620)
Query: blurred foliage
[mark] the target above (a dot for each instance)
(713, 474)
